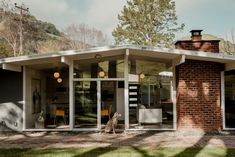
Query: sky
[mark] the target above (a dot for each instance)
(216, 17)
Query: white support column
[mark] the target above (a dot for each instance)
(71, 97)
(24, 98)
(174, 99)
(223, 99)
(99, 105)
(126, 90)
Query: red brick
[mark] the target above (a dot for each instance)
(198, 95)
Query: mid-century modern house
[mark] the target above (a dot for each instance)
(189, 87)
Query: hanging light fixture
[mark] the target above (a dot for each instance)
(59, 80)
(101, 74)
(56, 73)
(142, 75)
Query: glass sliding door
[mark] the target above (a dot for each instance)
(85, 104)
(150, 95)
(229, 80)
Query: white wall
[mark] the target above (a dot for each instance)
(33, 74)
(120, 102)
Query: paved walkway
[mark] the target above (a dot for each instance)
(78, 139)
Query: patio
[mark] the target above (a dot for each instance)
(95, 139)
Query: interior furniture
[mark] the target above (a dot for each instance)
(59, 113)
(106, 111)
(150, 115)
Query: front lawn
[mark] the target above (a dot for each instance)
(119, 152)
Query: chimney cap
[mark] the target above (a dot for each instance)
(196, 32)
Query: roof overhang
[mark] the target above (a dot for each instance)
(154, 53)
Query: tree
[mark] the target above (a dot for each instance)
(9, 27)
(21, 33)
(147, 22)
(83, 36)
(228, 45)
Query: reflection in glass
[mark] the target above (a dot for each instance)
(113, 68)
(85, 104)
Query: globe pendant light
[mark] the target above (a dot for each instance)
(59, 80)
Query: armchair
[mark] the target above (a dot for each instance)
(106, 111)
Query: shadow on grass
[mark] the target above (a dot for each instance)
(116, 145)
(200, 147)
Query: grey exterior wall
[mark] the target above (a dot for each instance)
(11, 100)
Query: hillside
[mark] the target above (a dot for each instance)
(38, 36)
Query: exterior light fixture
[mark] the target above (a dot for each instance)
(101, 74)
(142, 75)
(56, 74)
(59, 80)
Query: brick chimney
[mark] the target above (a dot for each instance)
(198, 44)
(196, 35)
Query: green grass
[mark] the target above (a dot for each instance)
(119, 152)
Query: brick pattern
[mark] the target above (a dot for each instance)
(207, 46)
(198, 95)
(196, 37)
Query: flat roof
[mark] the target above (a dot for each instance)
(147, 51)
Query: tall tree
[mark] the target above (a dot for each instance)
(147, 22)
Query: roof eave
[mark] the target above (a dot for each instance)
(199, 55)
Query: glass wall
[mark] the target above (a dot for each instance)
(85, 104)
(109, 68)
(229, 78)
(150, 95)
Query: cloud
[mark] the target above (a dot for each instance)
(55, 11)
(211, 15)
(102, 14)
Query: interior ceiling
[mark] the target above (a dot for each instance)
(159, 56)
(48, 66)
(151, 59)
(104, 54)
(102, 59)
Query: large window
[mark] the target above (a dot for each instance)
(229, 79)
(109, 68)
(150, 95)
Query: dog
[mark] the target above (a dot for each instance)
(112, 123)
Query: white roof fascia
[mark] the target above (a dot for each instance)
(61, 53)
(197, 55)
(218, 57)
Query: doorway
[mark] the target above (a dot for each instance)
(112, 100)
(229, 106)
(96, 102)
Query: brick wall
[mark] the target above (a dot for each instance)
(201, 45)
(198, 95)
